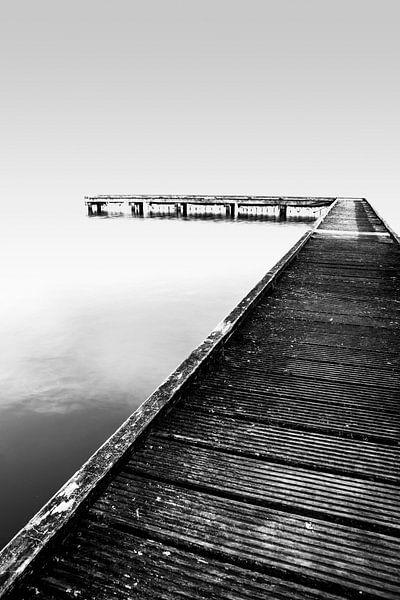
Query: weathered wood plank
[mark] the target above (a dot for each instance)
(270, 442)
(333, 555)
(350, 501)
(126, 566)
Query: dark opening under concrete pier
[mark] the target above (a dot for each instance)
(267, 465)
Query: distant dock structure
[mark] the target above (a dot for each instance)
(267, 466)
(180, 205)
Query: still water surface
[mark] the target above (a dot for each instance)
(94, 314)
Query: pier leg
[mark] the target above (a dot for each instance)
(90, 209)
(99, 206)
(233, 208)
(282, 213)
(184, 209)
(140, 208)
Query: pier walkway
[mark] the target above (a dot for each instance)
(273, 471)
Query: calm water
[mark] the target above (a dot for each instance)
(94, 314)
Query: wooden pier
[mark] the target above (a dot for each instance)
(266, 466)
(143, 205)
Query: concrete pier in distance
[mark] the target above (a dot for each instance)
(141, 205)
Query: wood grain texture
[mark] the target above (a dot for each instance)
(275, 472)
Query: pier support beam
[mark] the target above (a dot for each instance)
(99, 208)
(283, 212)
(135, 209)
(138, 208)
(184, 206)
(231, 209)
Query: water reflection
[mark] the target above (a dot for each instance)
(94, 315)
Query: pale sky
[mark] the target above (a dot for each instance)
(285, 97)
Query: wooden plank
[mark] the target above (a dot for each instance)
(350, 501)
(312, 369)
(306, 449)
(333, 556)
(126, 566)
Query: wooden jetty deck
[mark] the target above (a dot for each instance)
(266, 466)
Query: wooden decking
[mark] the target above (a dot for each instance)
(274, 473)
